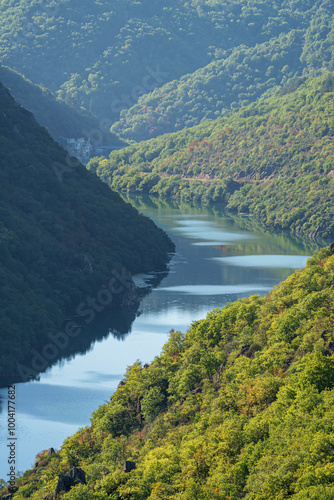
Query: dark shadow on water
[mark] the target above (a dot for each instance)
(180, 220)
(113, 321)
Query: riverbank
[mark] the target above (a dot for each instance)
(217, 261)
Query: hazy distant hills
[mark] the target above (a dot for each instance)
(272, 159)
(62, 234)
(203, 57)
(60, 119)
(297, 41)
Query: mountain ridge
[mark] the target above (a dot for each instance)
(271, 159)
(61, 120)
(213, 56)
(63, 234)
(240, 406)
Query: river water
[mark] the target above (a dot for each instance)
(218, 259)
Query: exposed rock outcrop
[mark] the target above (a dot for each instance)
(219, 372)
(128, 466)
(243, 350)
(71, 478)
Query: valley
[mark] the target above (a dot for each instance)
(166, 255)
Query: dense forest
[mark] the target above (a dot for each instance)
(61, 120)
(271, 159)
(62, 235)
(241, 406)
(236, 77)
(233, 101)
(162, 67)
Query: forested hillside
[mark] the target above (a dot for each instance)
(203, 57)
(241, 75)
(241, 406)
(60, 119)
(62, 235)
(272, 159)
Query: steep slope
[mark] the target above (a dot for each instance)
(240, 76)
(63, 234)
(241, 406)
(272, 159)
(60, 120)
(212, 55)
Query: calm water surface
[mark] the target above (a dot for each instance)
(218, 260)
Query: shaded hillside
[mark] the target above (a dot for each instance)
(63, 234)
(237, 77)
(241, 406)
(60, 119)
(203, 57)
(272, 159)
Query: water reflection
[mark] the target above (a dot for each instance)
(218, 259)
(209, 232)
(111, 321)
(214, 216)
(216, 289)
(267, 261)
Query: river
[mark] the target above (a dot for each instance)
(218, 259)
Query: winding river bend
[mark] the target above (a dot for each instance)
(218, 260)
